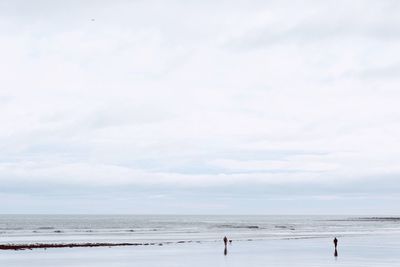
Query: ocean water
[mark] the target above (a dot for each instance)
(27, 229)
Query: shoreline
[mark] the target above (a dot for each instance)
(32, 246)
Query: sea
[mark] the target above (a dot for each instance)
(159, 229)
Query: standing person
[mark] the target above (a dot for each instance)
(226, 243)
(335, 241)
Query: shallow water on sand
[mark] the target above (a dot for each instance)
(363, 251)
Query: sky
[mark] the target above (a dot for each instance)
(199, 107)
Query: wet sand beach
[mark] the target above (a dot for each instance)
(375, 250)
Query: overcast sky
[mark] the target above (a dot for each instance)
(208, 107)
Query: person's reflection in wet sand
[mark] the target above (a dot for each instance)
(225, 251)
(336, 253)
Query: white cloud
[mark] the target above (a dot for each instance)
(177, 93)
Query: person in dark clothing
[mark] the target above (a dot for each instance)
(226, 243)
(335, 241)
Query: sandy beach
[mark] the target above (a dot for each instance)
(375, 250)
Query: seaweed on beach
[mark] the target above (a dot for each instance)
(69, 245)
(77, 245)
